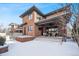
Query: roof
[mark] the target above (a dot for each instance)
(58, 10)
(13, 24)
(34, 8)
(23, 24)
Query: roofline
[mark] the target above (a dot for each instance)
(58, 10)
(34, 8)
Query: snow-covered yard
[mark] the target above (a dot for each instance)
(41, 48)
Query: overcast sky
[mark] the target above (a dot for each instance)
(10, 12)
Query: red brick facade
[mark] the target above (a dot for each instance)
(35, 28)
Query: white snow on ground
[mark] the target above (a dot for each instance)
(41, 48)
(24, 36)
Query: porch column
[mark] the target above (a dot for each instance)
(24, 30)
(44, 30)
(62, 30)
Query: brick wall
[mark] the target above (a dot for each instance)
(35, 30)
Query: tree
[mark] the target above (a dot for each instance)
(74, 9)
(12, 29)
(2, 29)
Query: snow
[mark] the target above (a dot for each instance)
(41, 48)
(5, 45)
(24, 36)
(2, 34)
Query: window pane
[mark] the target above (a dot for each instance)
(30, 28)
(39, 18)
(30, 16)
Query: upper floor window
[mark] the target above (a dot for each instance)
(39, 18)
(30, 28)
(30, 16)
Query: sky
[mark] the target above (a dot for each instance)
(10, 12)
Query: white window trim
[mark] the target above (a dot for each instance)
(30, 28)
(30, 16)
(39, 18)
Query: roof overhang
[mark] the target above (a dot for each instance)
(58, 19)
(23, 24)
(34, 8)
(30, 10)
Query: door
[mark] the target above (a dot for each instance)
(24, 31)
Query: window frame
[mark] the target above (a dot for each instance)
(30, 16)
(30, 28)
(39, 18)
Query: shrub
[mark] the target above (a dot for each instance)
(2, 40)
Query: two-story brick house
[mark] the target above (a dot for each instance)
(35, 23)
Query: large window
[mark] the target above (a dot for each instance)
(30, 28)
(30, 16)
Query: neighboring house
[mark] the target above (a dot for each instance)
(35, 23)
(15, 28)
(12, 27)
(19, 30)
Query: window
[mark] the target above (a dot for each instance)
(30, 16)
(30, 28)
(39, 18)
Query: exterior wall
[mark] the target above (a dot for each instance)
(29, 22)
(24, 30)
(35, 30)
(55, 15)
(37, 15)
